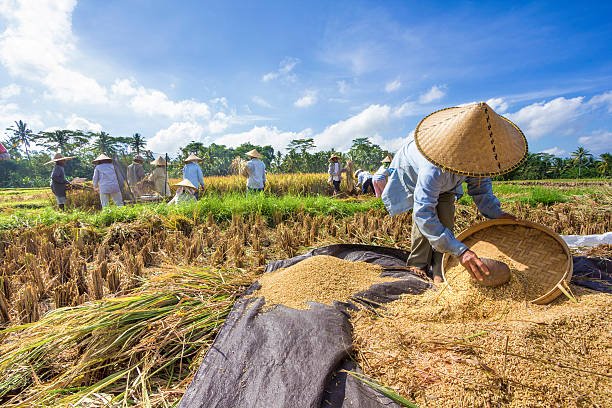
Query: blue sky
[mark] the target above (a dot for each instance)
(271, 71)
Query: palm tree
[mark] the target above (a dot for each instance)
(105, 143)
(61, 140)
(22, 135)
(137, 142)
(605, 165)
(579, 156)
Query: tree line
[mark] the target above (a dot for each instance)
(29, 152)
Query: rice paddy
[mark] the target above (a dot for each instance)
(117, 307)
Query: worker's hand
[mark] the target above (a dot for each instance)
(474, 265)
(96, 189)
(506, 216)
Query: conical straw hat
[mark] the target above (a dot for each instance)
(138, 158)
(387, 159)
(159, 161)
(333, 156)
(186, 183)
(471, 140)
(101, 157)
(192, 157)
(59, 157)
(254, 153)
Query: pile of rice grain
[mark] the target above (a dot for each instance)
(465, 348)
(320, 279)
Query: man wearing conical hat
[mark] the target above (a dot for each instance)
(461, 144)
(185, 192)
(379, 179)
(335, 172)
(59, 183)
(193, 172)
(135, 174)
(159, 177)
(256, 171)
(105, 181)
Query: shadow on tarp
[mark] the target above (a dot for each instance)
(295, 358)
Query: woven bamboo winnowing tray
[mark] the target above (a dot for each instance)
(537, 247)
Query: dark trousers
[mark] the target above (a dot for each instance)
(367, 185)
(336, 186)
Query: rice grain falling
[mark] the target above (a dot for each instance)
(321, 278)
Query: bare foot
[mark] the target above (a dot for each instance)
(438, 280)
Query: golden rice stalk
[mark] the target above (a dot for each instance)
(65, 294)
(95, 284)
(27, 305)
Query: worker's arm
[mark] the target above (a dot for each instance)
(58, 176)
(426, 194)
(200, 177)
(481, 190)
(96, 178)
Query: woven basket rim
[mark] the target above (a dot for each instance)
(553, 293)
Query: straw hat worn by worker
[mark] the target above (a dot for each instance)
(335, 172)
(193, 172)
(105, 181)
(466, 143)
(159, 177)
(256, 171)
(58, 179)
(184, 193)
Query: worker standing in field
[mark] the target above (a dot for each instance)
(185, 192)
(335, 172)
(379, 179)
(135, 174)
(364, 179)
(59, 184)
(451, 146)
(159, 177)
(255, 170)
(105, 181)
(193, 172)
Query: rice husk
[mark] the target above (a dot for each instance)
(321, 278)
(473, 348)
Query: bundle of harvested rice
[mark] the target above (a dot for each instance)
(321, 278)
(478, 349)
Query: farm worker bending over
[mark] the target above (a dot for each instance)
(379, 179)
(184, 193)
(256, 171)
(58, 179)
(335, 172)
(160, 178)
(451, 146)
(364, 179)
(135, 174)
(193, 172)
(105, 181)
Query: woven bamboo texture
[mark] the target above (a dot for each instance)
(537, 249)
(471, 140)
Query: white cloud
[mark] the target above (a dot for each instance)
(9, 91)
(75, 122)
(10, 113)
(435, 93)
(177, 134)
(499, 105)
(542, 118)
(257, 100)
(555, 151)
(38, 44)
(284, 71)
(153, 102)
(309, 98)
(598, 142)
(263, 135)
(393, 86)
(604, 99)
(343, 86)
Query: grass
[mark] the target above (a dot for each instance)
(221, 208)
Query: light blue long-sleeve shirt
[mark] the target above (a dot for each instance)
(257, 174)
(105, 178)
(193, 172)
(362, 177)
(416, 184)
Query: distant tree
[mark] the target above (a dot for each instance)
(137, 143)
(107, 144)
(62, 140)
(604, 167)
(581, 155)
(22, 135)
(366, 154)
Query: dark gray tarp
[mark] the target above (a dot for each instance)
(287, 358)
